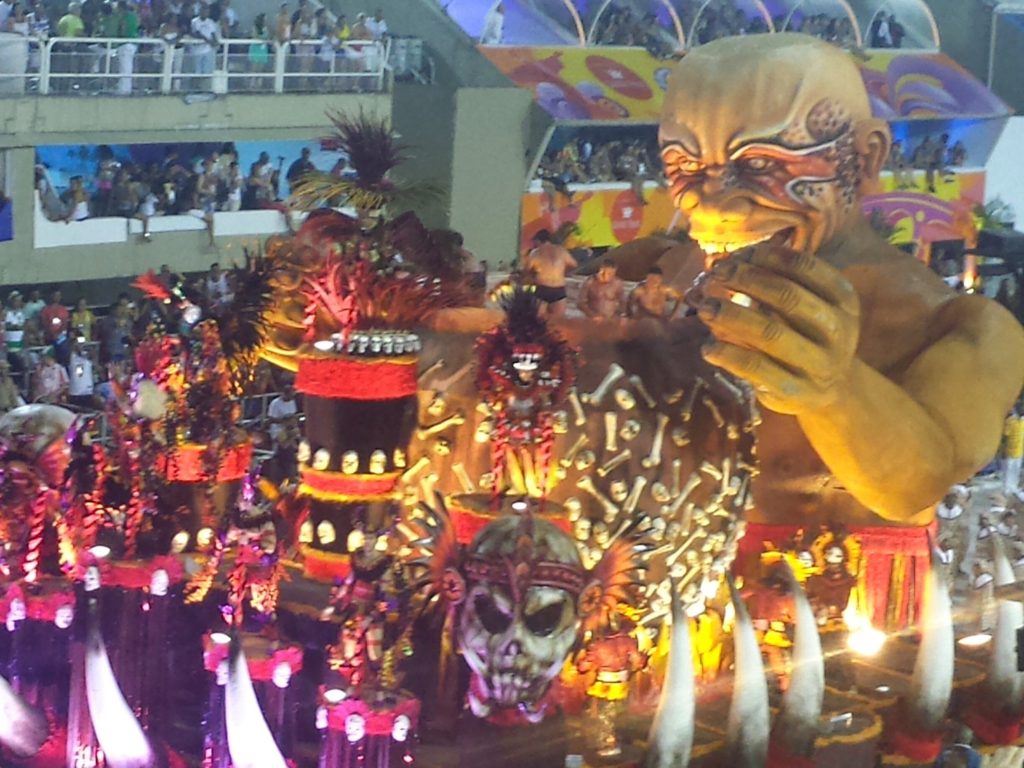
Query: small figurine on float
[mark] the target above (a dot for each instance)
(372, 605)
(609, 659)
(524, 373)
(837, 558)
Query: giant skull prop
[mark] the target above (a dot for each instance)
(521, 615)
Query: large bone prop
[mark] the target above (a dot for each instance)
(801, 704)
(431, 369)
(613, 463)
(653, 459)
(455, 420)
(932, 683)
(641, 389)
(691, 399)
(463, 477)
(749, 716)
(421, 463)
(716, 414)
(586, 484)
(690, 487)
(677, 476)
(615, 372)
(577, 408)
(633, 499)
(671, 736)
(570, 455)
(611, 431)
(732, 389)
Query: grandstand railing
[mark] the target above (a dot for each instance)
(148, 66)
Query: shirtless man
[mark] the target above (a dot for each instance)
(652, 298)
(602, 296)
(545, 267)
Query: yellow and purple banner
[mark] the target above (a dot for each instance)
(597, 84)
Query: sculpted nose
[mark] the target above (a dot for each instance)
(715, 200)
(512, 648)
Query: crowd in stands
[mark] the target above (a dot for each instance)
(179, 185)
(937, 157)
(195, 30)
(61, 354)
(594, 157)
(619, 25)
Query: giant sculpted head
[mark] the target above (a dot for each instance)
(766, 135)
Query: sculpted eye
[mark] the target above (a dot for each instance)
(755, 164)
(677, 162)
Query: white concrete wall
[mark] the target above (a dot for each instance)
(1005, 168)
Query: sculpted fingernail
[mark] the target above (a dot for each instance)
(709, 309)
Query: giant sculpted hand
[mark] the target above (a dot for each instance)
(797, 341)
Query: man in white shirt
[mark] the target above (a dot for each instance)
(494, 25)
(81, 381)
(204, 53)
(377, 27)
(218, 289)
(14, 326)
(282, 411)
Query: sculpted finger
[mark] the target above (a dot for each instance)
(769, 379)
(805, 311)
(815, 274)
(766, 332)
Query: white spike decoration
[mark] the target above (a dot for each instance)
(749, 715)
(801, 704)
(23, 729)
(118, 733)
(249, 739)
(932, 684)
(671, 737)
(1004, 682)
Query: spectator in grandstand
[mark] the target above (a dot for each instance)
(114, 332)
(377, 26)
(299, 168)
(49, 380)
(259, 52)
(34, 305)
(10, 397)
(896, 31)
(228, 20)
(83, 320)
(204, 53)
(494, 25)
(880, 32)
(14, 329)
(283, 25)
(76, 200)
(81, 377)
(6, 11)
(54, 318)
(282, 413)
(218, 286)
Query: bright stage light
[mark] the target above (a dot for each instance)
(324, 345)
(882, 689)
(100, 551)
(975, 641)
(220, 638)
(866, 641)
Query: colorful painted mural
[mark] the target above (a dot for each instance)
(926, 86)
(610, 215)
(604, 216)
(923, 217)
(622, 84)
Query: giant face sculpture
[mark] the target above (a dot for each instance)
(768, 136)
(520, 617)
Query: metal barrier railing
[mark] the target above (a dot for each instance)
(145, 66)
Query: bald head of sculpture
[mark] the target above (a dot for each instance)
(764, 134)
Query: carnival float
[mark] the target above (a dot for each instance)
(510, 542)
